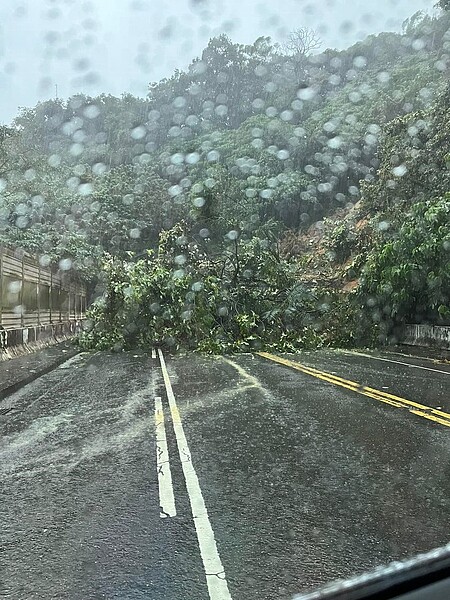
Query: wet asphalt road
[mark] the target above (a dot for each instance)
(305, 481)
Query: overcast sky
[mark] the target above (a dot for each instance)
(121, 45)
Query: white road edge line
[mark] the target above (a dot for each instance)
(214, 571)
(166, 495)
(397, 362)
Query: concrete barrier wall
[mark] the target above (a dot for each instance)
(432, 336)
(19, 341)
(31, 294)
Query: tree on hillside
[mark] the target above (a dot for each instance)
(299, 45)
(407, 279)
(5, 136)
(130, 205)
(444, 4)
(302, 41)
(234, 72)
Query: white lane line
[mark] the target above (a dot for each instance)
(435, 361)
(397, 362)
(153, 353)
(166, 496)
(214, 571)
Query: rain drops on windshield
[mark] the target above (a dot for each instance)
(250, 202)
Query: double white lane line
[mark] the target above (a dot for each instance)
(214, 571)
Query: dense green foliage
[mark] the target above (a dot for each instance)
(243, 298)
(248, 136)
(408, 277)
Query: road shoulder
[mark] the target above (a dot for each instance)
(19, 371)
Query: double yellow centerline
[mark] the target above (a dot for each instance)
(427, 412)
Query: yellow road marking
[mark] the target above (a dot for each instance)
(427, 412)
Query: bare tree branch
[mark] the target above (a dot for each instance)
(302, 41)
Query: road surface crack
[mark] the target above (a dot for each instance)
(160, 451)
(220, 575)
(163, 513)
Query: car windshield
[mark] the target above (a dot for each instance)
(224, 294)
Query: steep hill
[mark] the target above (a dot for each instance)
(338, 161)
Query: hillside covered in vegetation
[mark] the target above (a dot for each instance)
(265, 197)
